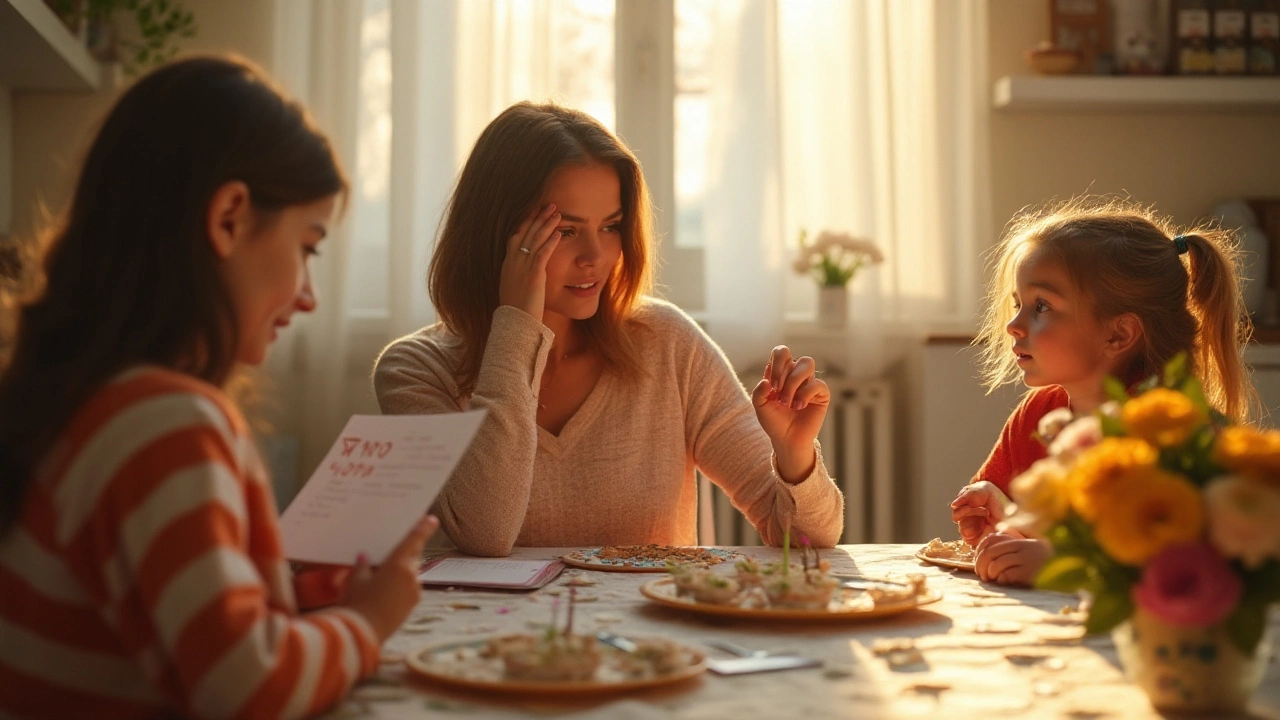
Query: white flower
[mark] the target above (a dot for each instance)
(1053, 422)
(1041, 495)
(1244, 518)
(1076, 438)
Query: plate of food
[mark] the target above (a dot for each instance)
(786, 591)
(558, 662)
(953, 554)
(646, 558)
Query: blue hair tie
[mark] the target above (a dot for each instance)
(1180, 241)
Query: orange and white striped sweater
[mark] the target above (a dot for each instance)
(146, 577)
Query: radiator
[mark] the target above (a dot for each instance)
(857, 444)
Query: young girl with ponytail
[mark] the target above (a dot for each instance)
(1082, 291)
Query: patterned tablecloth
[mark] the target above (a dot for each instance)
(987, 651)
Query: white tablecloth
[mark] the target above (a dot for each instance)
(968, 669)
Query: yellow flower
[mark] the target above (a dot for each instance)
(1090, 482)
(1162, 417)
(1149, 510)
(1249, 452)
(1041, 495)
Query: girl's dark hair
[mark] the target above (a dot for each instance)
(501, 184)
(130, 276)
(1122, 256)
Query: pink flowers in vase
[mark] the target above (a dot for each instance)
(833, 259)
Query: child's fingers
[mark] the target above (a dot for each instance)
(972, 528)
(966, 511)
(1007, 567)
(338, 578)
(409, 551)
(969, 496)
(990, 542)
(361, 571)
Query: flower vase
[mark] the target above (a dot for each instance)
(833, 306)
(1181, 669)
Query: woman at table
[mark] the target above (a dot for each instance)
(602, 401)
(141, 572)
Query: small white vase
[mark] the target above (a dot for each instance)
(833, 306)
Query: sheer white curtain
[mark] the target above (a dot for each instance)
(847, 116)
(826, 114)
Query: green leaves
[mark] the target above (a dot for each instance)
(1176, 371)
(1246, 624)
(160, 23)
(1110, 608)
(1079, 564)
(1066, 573)
(1115, 389)
(1111, 426)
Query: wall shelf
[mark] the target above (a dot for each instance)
(1083, 93)
(37, 52)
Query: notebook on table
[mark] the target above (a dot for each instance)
(499, 573)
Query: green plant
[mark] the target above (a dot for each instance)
(159, 26)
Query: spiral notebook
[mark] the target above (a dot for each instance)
(501, 573)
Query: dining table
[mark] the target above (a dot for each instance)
(981, 651)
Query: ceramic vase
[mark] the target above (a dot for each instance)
(1185, 669)
(833, 306)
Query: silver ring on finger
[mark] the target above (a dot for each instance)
(524, 250)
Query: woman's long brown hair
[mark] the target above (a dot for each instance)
(499, 187)
(130, 276)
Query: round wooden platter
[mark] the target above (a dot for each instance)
(663, 592)
(587, 560)
(441, 664)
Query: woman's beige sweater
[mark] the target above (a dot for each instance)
(621, 471)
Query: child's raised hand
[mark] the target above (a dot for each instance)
(1009, 558)
(523, 283)
(791, 404)
(977, 509)
(387, 594)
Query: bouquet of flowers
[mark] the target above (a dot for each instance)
(834, 258)
(1156, 503)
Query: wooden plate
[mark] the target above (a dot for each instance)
(439, 664)
(587, 559)
(845, 608)
(946, 562)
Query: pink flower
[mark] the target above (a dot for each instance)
(1076, 438)
(1188, 585)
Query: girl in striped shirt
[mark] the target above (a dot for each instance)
(140, 556)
